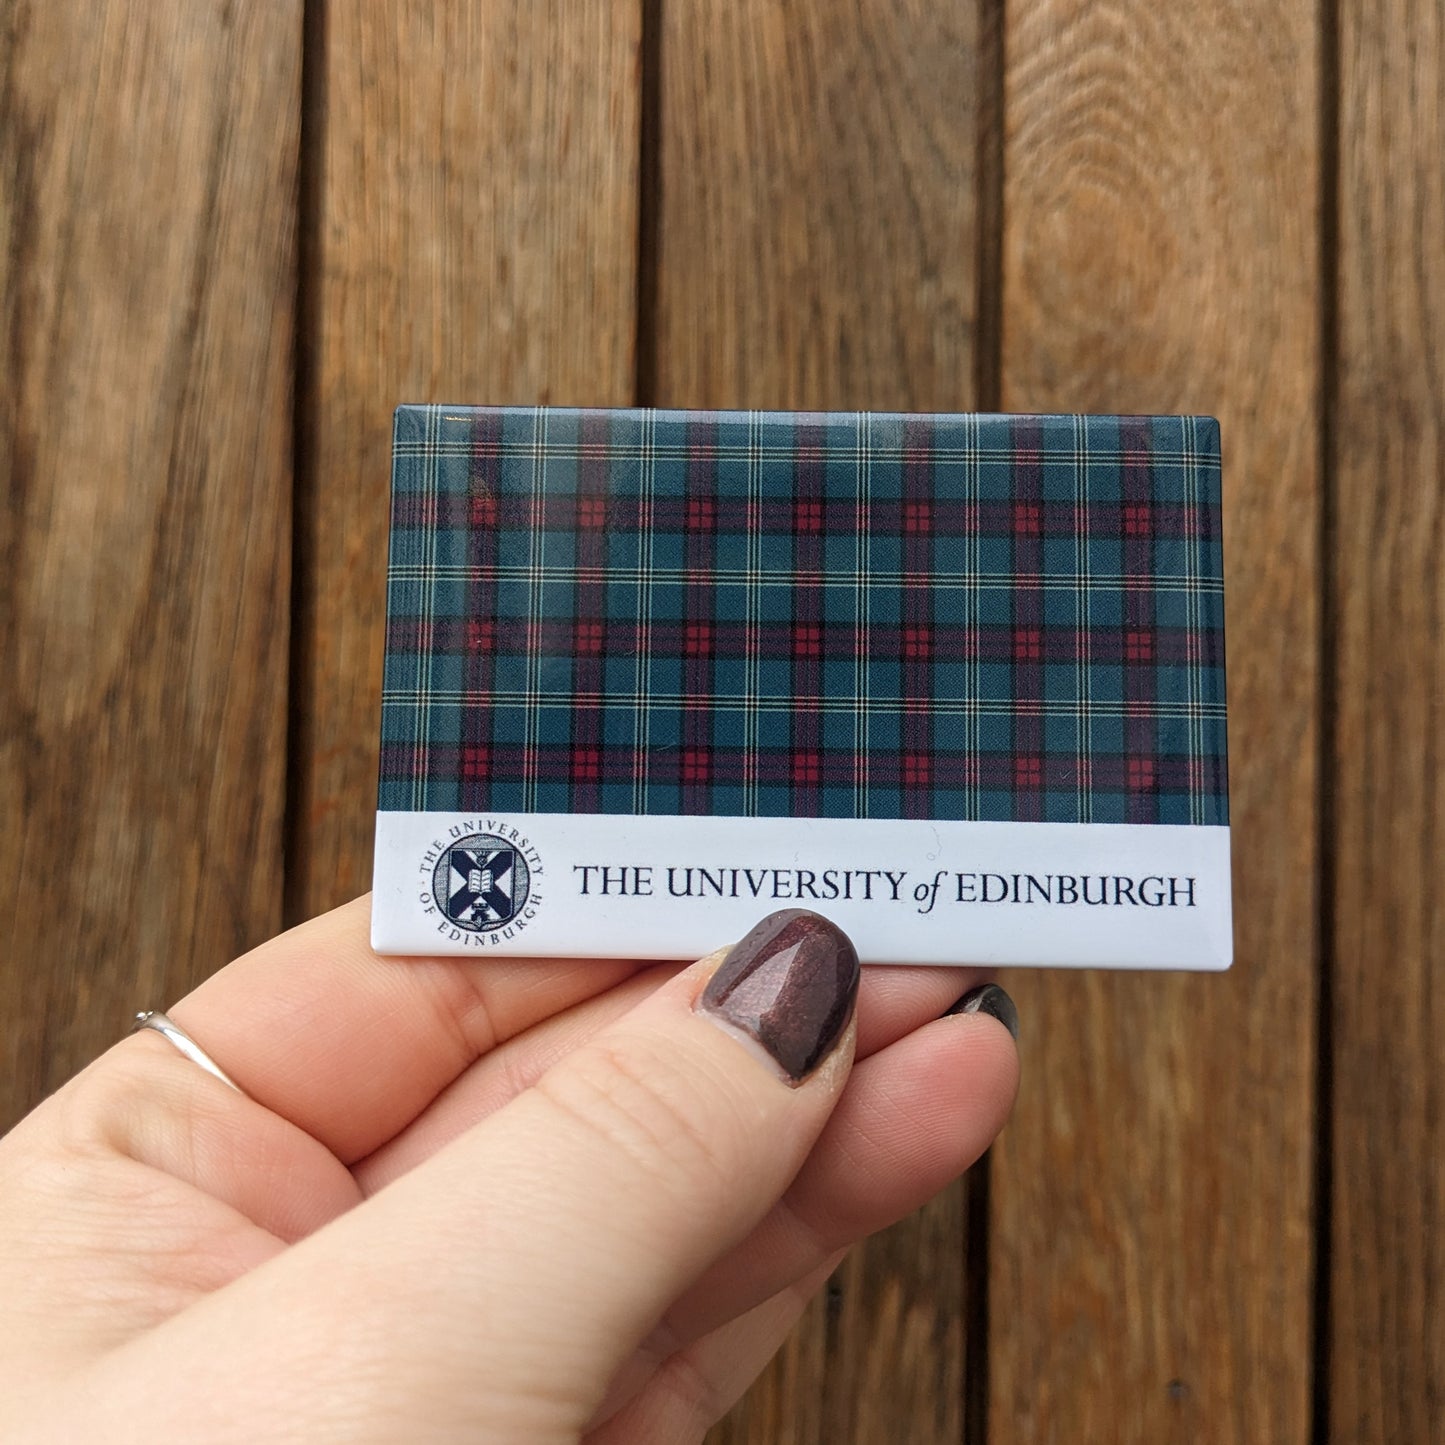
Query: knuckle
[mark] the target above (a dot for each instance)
(700, 1398)
(812, 1239)
(140, 1103)
(107, 1102)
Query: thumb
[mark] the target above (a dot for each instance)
(505, 1281)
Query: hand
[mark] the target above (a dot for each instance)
(473, 1199)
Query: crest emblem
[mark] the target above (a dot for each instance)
(481, 882)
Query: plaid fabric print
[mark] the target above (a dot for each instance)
(792, 615)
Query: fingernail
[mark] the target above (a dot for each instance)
(791, 985)
(989, 998)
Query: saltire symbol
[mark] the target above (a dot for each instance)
(480, 888)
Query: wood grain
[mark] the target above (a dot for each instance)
(1386, 1358)
(817, 235)
(147, 228)
(476, 243)
(817, 247)
(1152, 1200)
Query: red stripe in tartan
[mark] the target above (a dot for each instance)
(455, 636)
(587, 763)
(1140, 691)
(481, 552)
(787, 766)
(806, 766)
(701, 511)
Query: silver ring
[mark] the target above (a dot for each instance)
(155, 1019)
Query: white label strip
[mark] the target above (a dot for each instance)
(1097, 895)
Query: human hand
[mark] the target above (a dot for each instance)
(473, 1199)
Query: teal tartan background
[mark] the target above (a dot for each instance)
(769, 614)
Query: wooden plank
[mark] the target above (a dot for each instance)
(148, 162)
(816, 247)
(1386, 1355)
(477, 242)
(816, 238)
(1152, 1201)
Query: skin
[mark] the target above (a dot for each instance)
(521, 1200)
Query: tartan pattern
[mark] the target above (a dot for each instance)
(768, 614)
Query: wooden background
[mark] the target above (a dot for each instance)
(233, 235)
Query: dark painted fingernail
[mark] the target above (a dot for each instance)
(989, 998)
(790, 984)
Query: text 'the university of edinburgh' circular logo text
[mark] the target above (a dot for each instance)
(481, 882)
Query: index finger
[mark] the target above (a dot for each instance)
(351, 1045)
